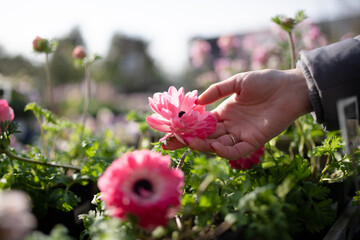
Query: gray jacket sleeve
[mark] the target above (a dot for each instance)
(332, 73)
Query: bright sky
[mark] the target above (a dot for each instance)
(167, 25)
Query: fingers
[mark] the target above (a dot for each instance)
(173, 144)
(222, 146)
(235, 152)
(220, 130)
(220, 90)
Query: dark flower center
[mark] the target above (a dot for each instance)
(181, 114)
(142, 187)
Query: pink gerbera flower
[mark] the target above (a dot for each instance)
(177, 114)
(6, 112)
(248, 162)
(141, 183)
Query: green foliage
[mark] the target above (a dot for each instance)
(50, 186)
(261, 214)
(59, 232)
(314, 208)
(288, 24)
(87, 61)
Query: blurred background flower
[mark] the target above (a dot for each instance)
(16, 219)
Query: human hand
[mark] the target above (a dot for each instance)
(262, 105)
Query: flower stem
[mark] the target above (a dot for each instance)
(217, 231)
(42, 134)
(292, 49)
(50, 92)
(13, 156)
(181, 162)
(297, 122)
(86, 100)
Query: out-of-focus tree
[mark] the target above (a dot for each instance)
(129, 67)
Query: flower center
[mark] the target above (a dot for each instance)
(181, 114)
(142, 188)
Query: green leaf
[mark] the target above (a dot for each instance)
(64, 200)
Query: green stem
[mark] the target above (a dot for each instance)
(292, 49)
(204, 185)
(13, 156)
(50, 91)
(42, 134)
(327, 165)
(308, 145)
(297, 122)
(86, 100)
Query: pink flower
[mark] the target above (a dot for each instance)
(248, 162)
(259, 57)
(141, 183)
(79, 52)
(313, 37)
(178, 115)
(199, 51)
(6, 112)
(40, 44)
(228, 44)
(222, 67)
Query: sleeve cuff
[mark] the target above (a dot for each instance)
(318, 113)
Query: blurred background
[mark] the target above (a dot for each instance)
(147, 46)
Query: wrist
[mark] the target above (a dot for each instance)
(302, 90)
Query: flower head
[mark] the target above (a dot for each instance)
(40, 44)
(6, 112)
(248, 162)
(142, 184)
(177, 114)
(79, 52)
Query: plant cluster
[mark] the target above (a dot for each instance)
(281, 191)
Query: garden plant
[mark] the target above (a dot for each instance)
(86, 185)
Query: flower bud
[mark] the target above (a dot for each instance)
(40, 44)
(6, 112)
(79, 52)
(288, 22)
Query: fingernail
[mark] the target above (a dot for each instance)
(196, 101)
(212, 147)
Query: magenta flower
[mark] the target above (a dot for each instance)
(179, 116)
(6, 112)
(248, 162)
(141, 183)
(79, 52)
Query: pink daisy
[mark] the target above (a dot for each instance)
(248, 162)
(177, 114)
(6, 112)
(141, 183)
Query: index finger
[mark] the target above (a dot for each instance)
(220, 90)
